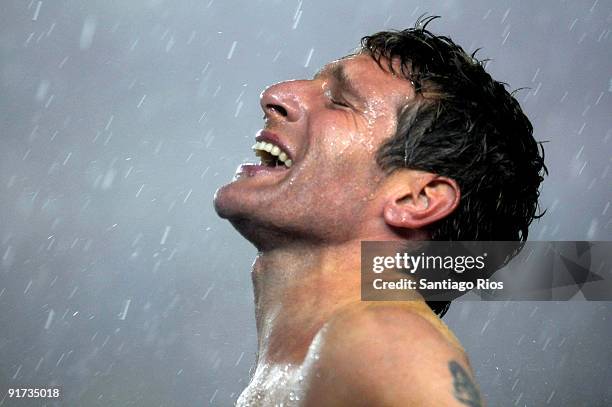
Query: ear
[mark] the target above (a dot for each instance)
(416, 199)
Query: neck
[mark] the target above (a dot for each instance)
(297, 290)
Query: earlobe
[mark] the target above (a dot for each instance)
(424, 200)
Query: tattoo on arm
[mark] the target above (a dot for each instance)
(464, 388)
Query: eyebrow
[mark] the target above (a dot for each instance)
(338, 73)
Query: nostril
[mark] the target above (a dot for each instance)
(278, 109)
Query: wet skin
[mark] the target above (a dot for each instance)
(319, 344)
(333, 133)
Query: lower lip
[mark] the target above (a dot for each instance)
(251, 170)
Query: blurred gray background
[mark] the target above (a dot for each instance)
(119, 119)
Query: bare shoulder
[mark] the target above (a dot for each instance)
(389, 354)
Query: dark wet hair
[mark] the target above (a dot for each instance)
(466, 126)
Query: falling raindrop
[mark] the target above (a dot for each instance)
(87, 33)
(37, 11)
(231, 51)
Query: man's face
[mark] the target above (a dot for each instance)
(330, 127)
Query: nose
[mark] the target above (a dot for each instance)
(282, 102)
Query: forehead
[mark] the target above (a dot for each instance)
(370, 78)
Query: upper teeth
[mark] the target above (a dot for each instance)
(274, 150)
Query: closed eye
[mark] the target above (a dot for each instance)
(339, 103)
(334, 100)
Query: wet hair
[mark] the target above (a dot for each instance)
(466, 126)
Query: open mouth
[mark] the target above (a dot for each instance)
(272, 155)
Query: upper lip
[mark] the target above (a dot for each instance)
(270, 137)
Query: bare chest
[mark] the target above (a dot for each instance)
(279, 386)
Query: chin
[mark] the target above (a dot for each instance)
(237, 199)
(256, 227)
(227, 203)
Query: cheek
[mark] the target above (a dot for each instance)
(350, 177)
(336, 135)
(343, 149)
(347, 137)
(381, 123)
